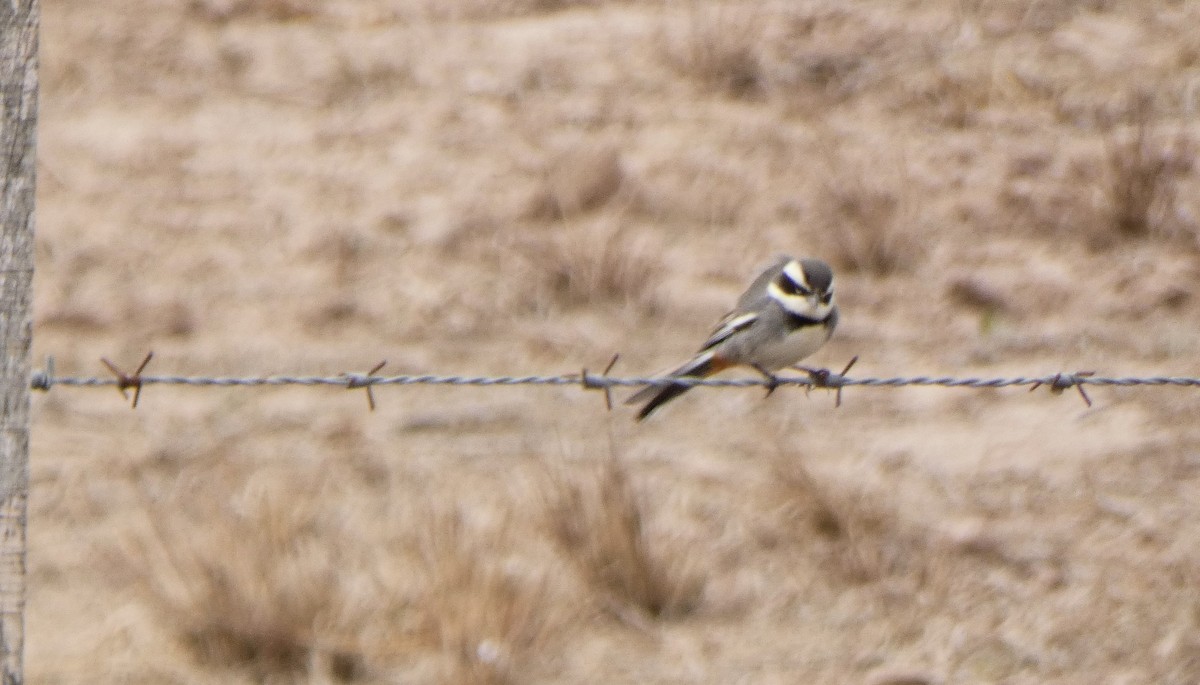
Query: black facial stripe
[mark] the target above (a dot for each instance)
(790, 287)
(795, 320)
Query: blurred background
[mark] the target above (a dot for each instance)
(250, 187)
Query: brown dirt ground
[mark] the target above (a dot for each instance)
(528, 186)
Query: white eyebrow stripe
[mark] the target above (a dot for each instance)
(794, 271)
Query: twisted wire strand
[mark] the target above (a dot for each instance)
(41, 380)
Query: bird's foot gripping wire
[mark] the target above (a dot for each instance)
(772, 381)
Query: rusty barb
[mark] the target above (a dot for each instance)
(46, 378)
(126, 381)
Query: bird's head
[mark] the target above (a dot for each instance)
(804, 287)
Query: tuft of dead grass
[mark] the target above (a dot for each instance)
(577, 181)
(498, 9)
(718, 47)
(259, 582)
(221, 11)
(598, 263)
(276, 581)
(866, 219)
(599, 521)
(1143, 172)
(485, 615)
(864, 540)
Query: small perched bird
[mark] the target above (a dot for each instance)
(785, 315)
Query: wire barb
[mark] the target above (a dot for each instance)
(127, 380)
(1062, 381)
(601, 382)
(824, 378)
(361, 380)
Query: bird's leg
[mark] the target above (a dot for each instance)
(772, 379)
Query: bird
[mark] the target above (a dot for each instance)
(786, 314)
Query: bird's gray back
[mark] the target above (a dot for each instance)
(756, 295)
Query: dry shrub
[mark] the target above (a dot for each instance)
(220, 11)
(278, 579)
(1143, 173)
(598, 263)
(486, 617)
(1034, 18)
(599, 521)
(864, 539)
(356, 79)
(591, 260)
(341, 253)
(866, 220)
(694, 189)
(578, 180)
(261, 581)
(823, 55)
(719, 49)
(497, 9)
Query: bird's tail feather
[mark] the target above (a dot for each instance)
(702, 366)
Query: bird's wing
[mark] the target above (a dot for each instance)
(733, 323)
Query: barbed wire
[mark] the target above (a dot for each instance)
(45, 379)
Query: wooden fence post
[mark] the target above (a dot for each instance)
(18, 162)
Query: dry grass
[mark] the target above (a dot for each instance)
(863, 538)
(594, 264)
(867, 220)
(499, 9)
(1144, 166)
(488, 618)
(276, 583)
(271, 10)
(577, 181)
(585, 258)
(260, 582)
(719, 48)
(601, 523)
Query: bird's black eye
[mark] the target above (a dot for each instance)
(790, 287)
(827, 298)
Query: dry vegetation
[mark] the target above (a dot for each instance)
(600, 524)
(1143, 174)
(512, 186)
(868, 223)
